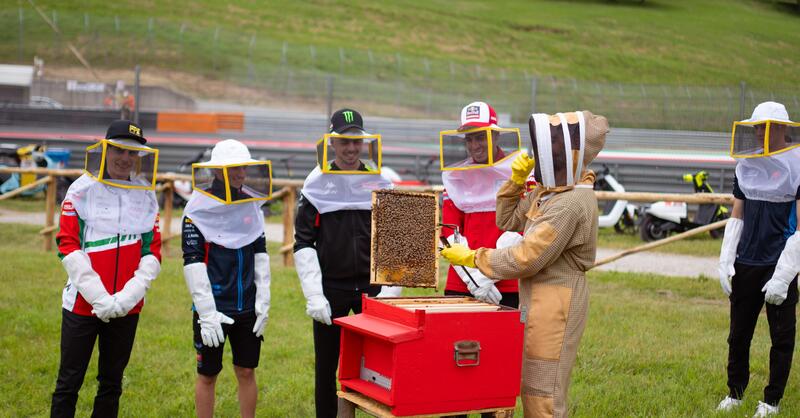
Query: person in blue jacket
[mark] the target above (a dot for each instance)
(226, 268)
(760, 256)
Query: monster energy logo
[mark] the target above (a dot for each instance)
(348, 116)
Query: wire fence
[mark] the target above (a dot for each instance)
(378, 82)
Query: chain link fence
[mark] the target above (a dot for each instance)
(281, 74)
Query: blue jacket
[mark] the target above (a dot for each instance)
(231, 271)
(767, 226)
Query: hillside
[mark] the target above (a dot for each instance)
(441, 48)
(677, 41)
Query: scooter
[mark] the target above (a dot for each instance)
(8, 158)
(620, 214)
(664, 218)
(32, 156)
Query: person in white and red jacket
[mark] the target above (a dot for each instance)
(110, 246)
(469, 202)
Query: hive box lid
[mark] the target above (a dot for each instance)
(405, 236)
(379, 328)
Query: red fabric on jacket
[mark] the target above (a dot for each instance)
(73, 234)
(481, 231)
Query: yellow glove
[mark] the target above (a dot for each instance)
(460, 255)
(521, 168)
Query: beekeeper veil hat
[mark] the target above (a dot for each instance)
(564, 145)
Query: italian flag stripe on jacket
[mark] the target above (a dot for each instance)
(115, 257)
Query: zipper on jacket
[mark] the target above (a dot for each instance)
(239, 279)
(116, 266)
(116, 260)
(355, 245)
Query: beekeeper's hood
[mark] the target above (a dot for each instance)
(564, 145)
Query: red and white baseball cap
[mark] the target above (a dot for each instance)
(477, 115)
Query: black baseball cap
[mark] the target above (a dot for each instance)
(344, 119)
(125, 129)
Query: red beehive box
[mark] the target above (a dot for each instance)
(429, 355)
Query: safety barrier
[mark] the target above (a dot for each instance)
(199, 122)
(230, 121)
(287, 193)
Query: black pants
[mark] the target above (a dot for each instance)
(78, 334)
(746, 302)
(326, 348)
(510, 299)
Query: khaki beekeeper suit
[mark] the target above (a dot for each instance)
(559, 220)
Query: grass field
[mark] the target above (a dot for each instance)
(711, 42)
(664, 64)
(24, 204)
(654, 346)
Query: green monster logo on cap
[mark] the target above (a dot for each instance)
(348, 116)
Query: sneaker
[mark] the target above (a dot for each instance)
(728, 404)
(765, 410)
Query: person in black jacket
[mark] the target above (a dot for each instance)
(760, 254)
(332, 241)
(226, 268)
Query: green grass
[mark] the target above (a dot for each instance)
(654, 346)
(699, 245)
(24, 204)
(419, 57)
(679, 41)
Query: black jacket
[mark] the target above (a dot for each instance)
(230, 271)
(342, 241)
(767, 226)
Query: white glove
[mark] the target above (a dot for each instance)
(211, 328)
(788, 266)
(262, 279)
(389, 292)
(90, 286)
(107, 308)
(727, 254)
(211, 320)
(307, 265)
(480, 286)
(486, 290)
(508, 239)
(137, 286)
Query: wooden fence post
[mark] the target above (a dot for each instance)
(166, 231)
(288, 225)
(49, 213)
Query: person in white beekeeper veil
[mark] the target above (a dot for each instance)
(226, 268)
(472, 175)
(332, 240)
(559, 222)
(760, 255)
(110, 245)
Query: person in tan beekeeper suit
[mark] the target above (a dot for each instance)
(559, 222)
